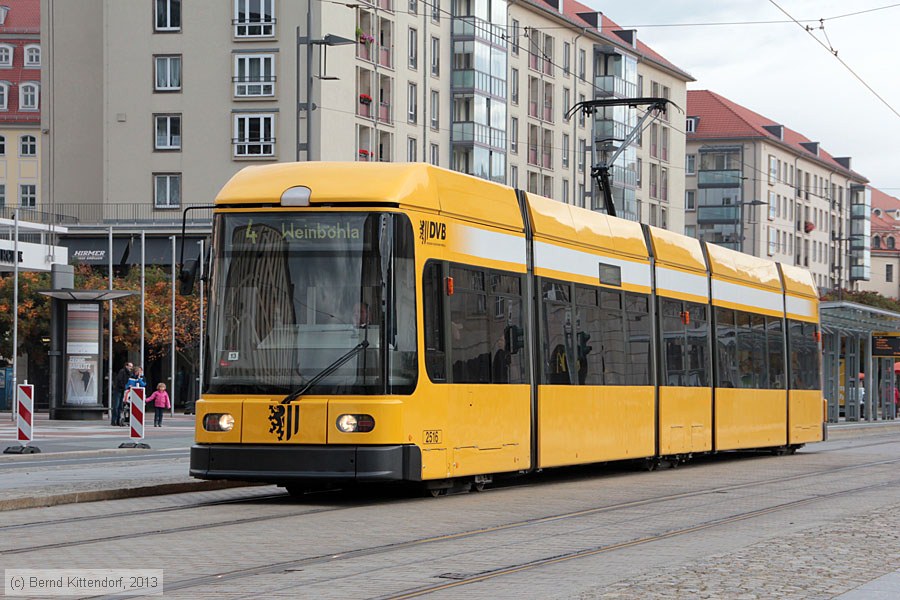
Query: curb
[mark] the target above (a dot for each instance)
(119, 493)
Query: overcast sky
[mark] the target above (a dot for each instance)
(778, 70)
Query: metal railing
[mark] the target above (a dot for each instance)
(87, 215)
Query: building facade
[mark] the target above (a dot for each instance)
(885, 277)
(20, 108)
(755, 185)
(188, 93)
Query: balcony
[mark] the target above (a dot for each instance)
(467, 131)
(718, 214)
(384, 113)
(112, 214)
(611, 85)
(479, 81)
(478, 28)
(385, 58)
(719, 179)
(364, 51)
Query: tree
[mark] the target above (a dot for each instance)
(34, 315)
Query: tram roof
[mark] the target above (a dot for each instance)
(677, 250)
(745, 268)
(799, 281)
(410, 185)
(555, 220)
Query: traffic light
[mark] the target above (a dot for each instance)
(514, 338)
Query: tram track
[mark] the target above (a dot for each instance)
(330, 558)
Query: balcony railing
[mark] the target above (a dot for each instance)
(467, 131)
(475, 27)
(384, 57)
(610, 85)
(479, 81)
(110, 214)
(724, 179)
(384, 112)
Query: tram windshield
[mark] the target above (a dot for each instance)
(293, 292)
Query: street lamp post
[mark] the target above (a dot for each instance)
(753, 223)
(308, 107)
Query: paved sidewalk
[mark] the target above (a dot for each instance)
(81, 461)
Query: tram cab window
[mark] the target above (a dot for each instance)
(433, 317)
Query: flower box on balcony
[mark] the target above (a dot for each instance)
(365, 99)
(365, 153)
(809, 226)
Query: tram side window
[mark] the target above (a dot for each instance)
(486, 327)
(588, 336)
(612, 334)
(726, 349)
(673, 330)
(469, 333)
(637, 313)
(775, 352)
(698, 345)
(558, 348)
(433, 317)
(685, 340)
(804, 352)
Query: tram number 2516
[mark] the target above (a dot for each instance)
(431, 436)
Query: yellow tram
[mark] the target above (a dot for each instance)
(402, 322)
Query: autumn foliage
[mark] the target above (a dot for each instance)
(34, 313)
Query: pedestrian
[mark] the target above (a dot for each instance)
(160, 401)
(120, 382)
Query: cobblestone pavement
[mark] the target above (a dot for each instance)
(818, 563)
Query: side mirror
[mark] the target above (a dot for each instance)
(187, 277)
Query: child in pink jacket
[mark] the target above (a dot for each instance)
(159, 400)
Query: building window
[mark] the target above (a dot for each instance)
(29, 96)
(581, 61)
(2, 145)
(565, 150)
(254, 18)
(436, 10)
(4, 95)
(890, 243)
(413, 48)
(639, 175)
(773, 170)
(168, 73)
(888, 273)
(28, 145)
(876, 243)
(567, 64)
(411, 150)
(168, 132)
(168, 15)
(567, 98)
(27, 195)
(413, 6)
(773, 207)
(435, 56)
(690, 200)
(582, 150)
(167, 190)
(6, 55)
(435, 109)
(515, 37)
(32, 56)
(514, 86)
(565, 191)
(514, 176)
(690, 164)
(2, 195)
(254, 135)
(435, 155)
(581, 112)
(412, 105)
(514, 135)
(690, 125)
(254, 75)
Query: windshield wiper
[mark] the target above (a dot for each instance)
(326, 371)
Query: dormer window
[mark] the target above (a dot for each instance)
(4, 10)
(4, 95)
(690, 124)
(29, 95)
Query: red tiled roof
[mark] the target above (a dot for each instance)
(883, 201)
(571, 9)
(720, 118)
(24, 16)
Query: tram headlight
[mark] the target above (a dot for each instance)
(218, 422)
(355, 423)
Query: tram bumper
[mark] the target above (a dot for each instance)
(292, 463)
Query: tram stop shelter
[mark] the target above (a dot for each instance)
(861, 345)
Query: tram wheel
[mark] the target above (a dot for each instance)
(478, 486)
(438, 492)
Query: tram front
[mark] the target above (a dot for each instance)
(311, 348)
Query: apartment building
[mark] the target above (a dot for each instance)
(755, 185)
(885, 276)
(20, 108)
(184, 94)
